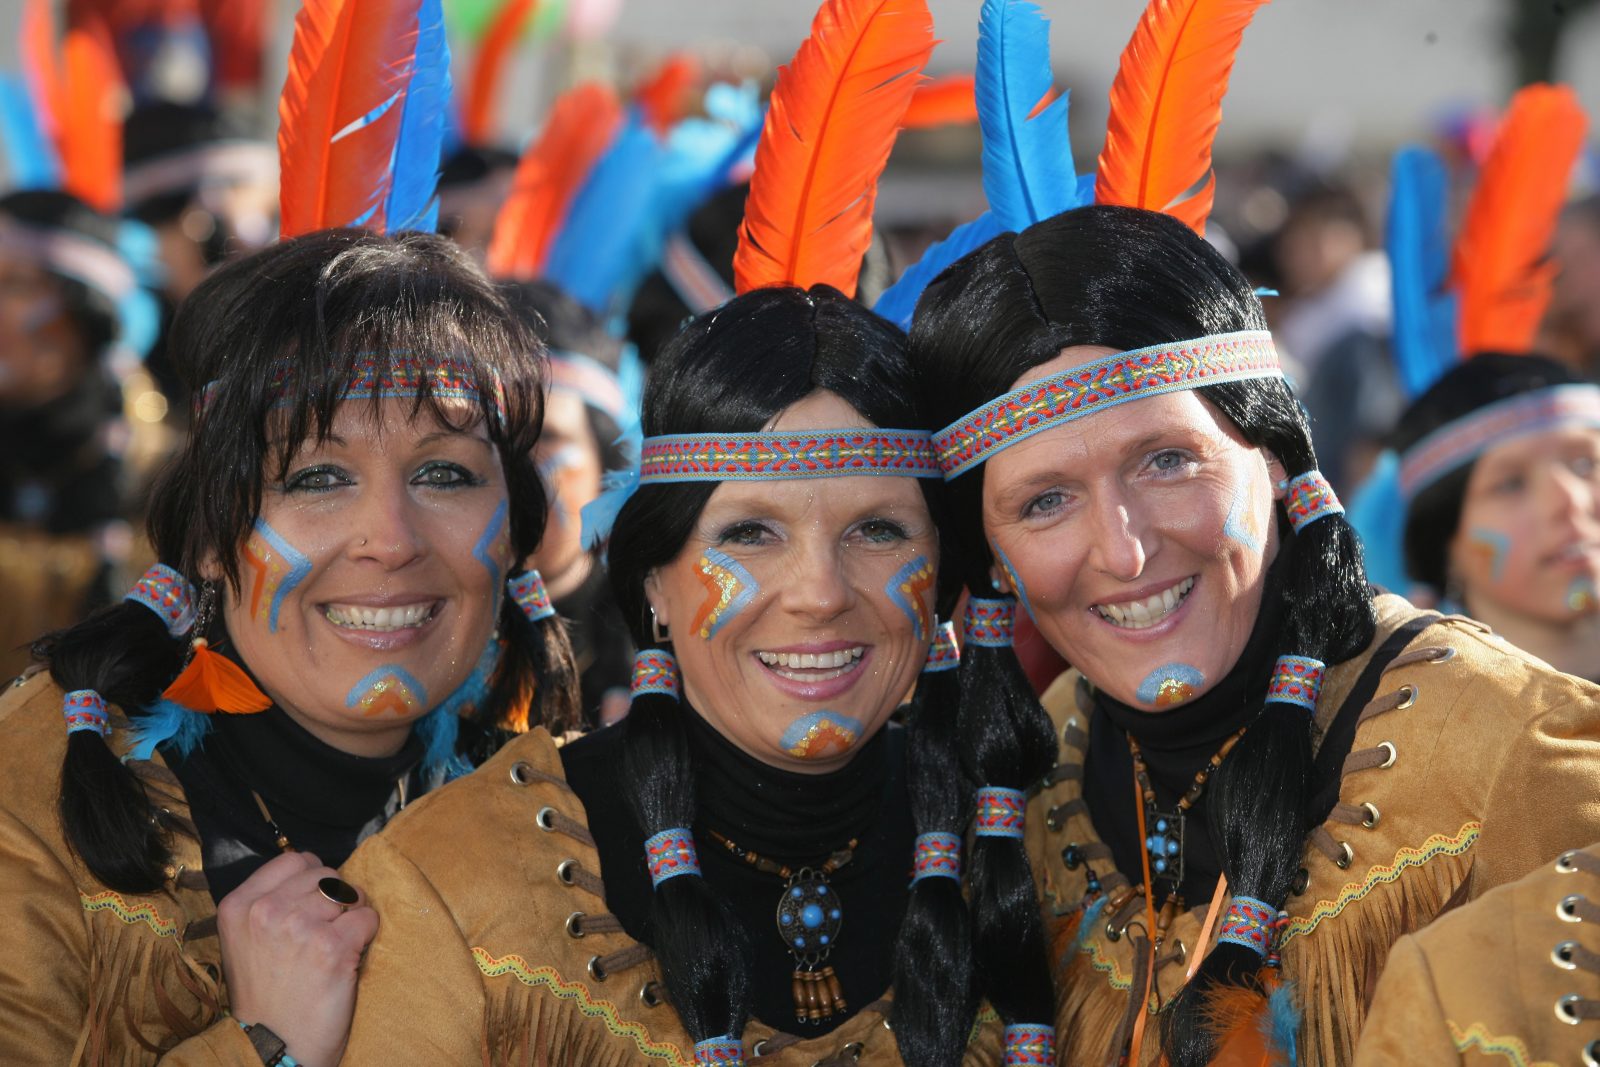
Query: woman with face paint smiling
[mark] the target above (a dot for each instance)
(1299, 771)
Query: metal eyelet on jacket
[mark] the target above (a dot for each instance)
(1373, 815)
(1591, 1054)
(758, 1049)
(597, 972)
(1394, 754)
(564, 872)
(1567, 910)
(1565, 863)
(651, 999)
(1410, 697)
(1566, 1009)
(1561, 955)
(545, 819)
(521, 773)
(575, 924)
(1348, 856)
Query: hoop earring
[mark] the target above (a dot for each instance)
(657, 634)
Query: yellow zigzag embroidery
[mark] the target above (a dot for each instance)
(1437, 845)
(547, 978)
(138, 913)
(1478, 1037)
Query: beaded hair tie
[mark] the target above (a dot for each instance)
(936, 855)
(1296, 680)
(723, 1051)
(1249, 922)
(1310, 498)
(1029, 1045)
(167, 593)
(655, 671)
(84, 709)
(988, 623)
(943, 654)
(1000, 812)
(669, 854)
(528, 591)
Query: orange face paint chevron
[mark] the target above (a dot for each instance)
(729, 590)
(388, 691)
(820, 735)
(276, 569)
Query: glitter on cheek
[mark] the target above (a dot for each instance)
(729, 590)
(820, 735)
(1582, 597)
(276, 568)
(387, 691)
(1169, 685)
(909, 589)
(1494, 547)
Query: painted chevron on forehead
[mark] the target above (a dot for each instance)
(278, 567)
(729, 590)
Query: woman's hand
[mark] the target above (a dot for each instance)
(290, 955)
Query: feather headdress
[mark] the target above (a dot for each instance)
(946, 101)
(832, 121)
(666, 96)
(1417, 237)
(236, 31)
(77, 98)
(488, 67)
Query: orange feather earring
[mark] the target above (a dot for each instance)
(211, 682)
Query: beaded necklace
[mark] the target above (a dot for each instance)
(1165, 829)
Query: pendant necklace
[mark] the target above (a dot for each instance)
(1164, 829)
(280, 839)
(808, 918)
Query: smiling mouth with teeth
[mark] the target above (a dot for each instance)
(1142, 614)
(379, 620)
(813, 666)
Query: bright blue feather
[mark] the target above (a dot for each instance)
(1281, 1026)
(1378, 513)
(1028, 174)
(166, 721)
(1417, 236)
(596, 256)
(412, 203)
(31, 158)
(900, 299)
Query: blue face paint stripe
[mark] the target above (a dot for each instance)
(299, 567)
(914, 606)
(480, 552)
(1017, 587)
(799, 731)
(1499, 546)
(1150, 690)
(400, 674)
(1234, 526)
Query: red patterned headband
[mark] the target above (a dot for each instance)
(1104, 383)
(1458, 443)
(398, 375)
(707, 457)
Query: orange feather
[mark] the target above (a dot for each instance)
(1500, 265)
(943, 102)
(477, 115)
(38, 48)
(828, 132)
(580, 128)
(236, 30)
(1166, 104)
(340, 110)
(664, 97)
(90, 134)
(213, 682)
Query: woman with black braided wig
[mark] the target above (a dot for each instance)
(1127, 461)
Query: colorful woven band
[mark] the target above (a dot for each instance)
(1104, 383)
(1296, 680)
(86, 710)
(943, 654)
(1310, 498)
(936, 855)
(722, 1051)
(592, 381)
(669, 854)
(1030, 1046)
(999, 812)
(1249, 922)
(1458, 443)
(398, 375)
(760, 457)
(989, 623)
(655, 671)
(527, 590)
(168, 594)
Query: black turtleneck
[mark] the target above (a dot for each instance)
(794, 819)
(324, 800)
(1175, 744)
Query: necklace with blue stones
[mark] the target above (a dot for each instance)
(1164, 829)
(809, 917)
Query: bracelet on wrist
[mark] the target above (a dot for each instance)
(268, 1045)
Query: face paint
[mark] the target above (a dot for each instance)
(820, 735)
(489, 546)
(1494, 547)
(1014, 578)
(729, 590)
(388, 690)
(278, 569)
(1240, 523)
(909, 590)
(1581, 596)
(1169, 685)
(551, 468)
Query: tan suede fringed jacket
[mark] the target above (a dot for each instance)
(1473, 764)
(1512, 979)
(90, 976)
(494, 944)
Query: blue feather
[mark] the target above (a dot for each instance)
(1281, 1026)
(439, 728)
(1417, 236)
(596, 256)
(166, 721)
(31, 158)
(1378, 513)
(412, 203)
(1028, 174)
(900, 299)
(1090, 922)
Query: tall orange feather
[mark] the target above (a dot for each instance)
(37, 44)
(1500, 265)
(90, 134)
(580, 128)
(949, 101)
(664, 96)
(831, 124)
(1166, 104)
(477, 114)
(340, 110)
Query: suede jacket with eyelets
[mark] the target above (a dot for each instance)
(1474, 764)
(90, 976)
(495, 946)
(1511, 979)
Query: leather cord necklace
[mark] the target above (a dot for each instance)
(1164, 829)
(281, 839)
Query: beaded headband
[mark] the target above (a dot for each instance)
(167, 593)
(1103, 383)
(758, 457)
(655, 671)
(1029, 1045)
(1249, 922)
(1000, 812)
(669, 854)
(1458, 443)
(528, 592)
(396, 376)
(943, 653)
(84, 709)
(936, 855)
